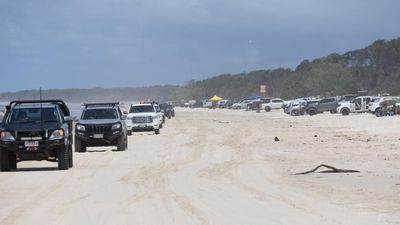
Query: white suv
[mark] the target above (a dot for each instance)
(357, 105)
(374, 105)
(143, 117)
(274, 103)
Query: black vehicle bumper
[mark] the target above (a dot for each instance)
(42, 152)
(108, 139)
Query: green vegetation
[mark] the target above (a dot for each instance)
(375, 68)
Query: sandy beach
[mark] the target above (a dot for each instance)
(221, 167)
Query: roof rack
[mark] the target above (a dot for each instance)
(112, 104)
(60, 103)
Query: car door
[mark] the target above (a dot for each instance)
(365, 103)
(357, 104)
(277, 103)
(322, 105)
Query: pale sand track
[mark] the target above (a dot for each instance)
(221, 167)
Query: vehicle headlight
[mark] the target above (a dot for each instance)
(6, 136)
(116, 126)
(57, 135)
(80, 127)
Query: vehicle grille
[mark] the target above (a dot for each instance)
(30, 134)
(144, 119)
(98, 128)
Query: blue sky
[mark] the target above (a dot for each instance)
(130, 43)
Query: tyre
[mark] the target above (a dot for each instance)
(379, 112)
(63, 159)
(70, 156)
(267, 109)
(79, 146)
(4, 160)
(121, 144)
(294, 113)
(129, 133)
(312, 112)
(173, 114)
(163, 119)
(345, 112)
(157, 131)
(169, 115)
(13, 160)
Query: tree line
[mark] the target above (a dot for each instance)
(375, 68)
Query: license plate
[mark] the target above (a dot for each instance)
(142, 126)
(31, 143)
(98, 136)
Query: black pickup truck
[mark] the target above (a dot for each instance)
(36, 130)
(101, 124)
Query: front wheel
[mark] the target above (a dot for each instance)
(122, 143)
(70, 156)
(63, 159)
(312, 112)
(13, 160)
(4, 160)
(79, 146)
(345, 112)
(157, 131)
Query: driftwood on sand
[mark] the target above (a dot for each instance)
(331, 170)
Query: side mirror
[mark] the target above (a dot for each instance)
(162, 110)
(124, 117)
(126, 112)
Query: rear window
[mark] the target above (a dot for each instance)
(95, 114)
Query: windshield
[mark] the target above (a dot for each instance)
(93, 114)
(141, 109)
(32, 115)
(376, 100)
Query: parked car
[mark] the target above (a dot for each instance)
(296, 108)
(273, 103)
(357, 105)
(101, 124)
(241, 105)
(324, 105)
(143, 117)
(36, 130)
(375, 105)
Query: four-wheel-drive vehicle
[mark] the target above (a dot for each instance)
(375, 105)
(241, 105)
(101, 124)
(169, 110)
(273, 103)
(36, 130)
(357, 105)
(143, 117)
(324, 105)
(160, 113)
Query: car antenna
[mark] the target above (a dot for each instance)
(41, 108)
